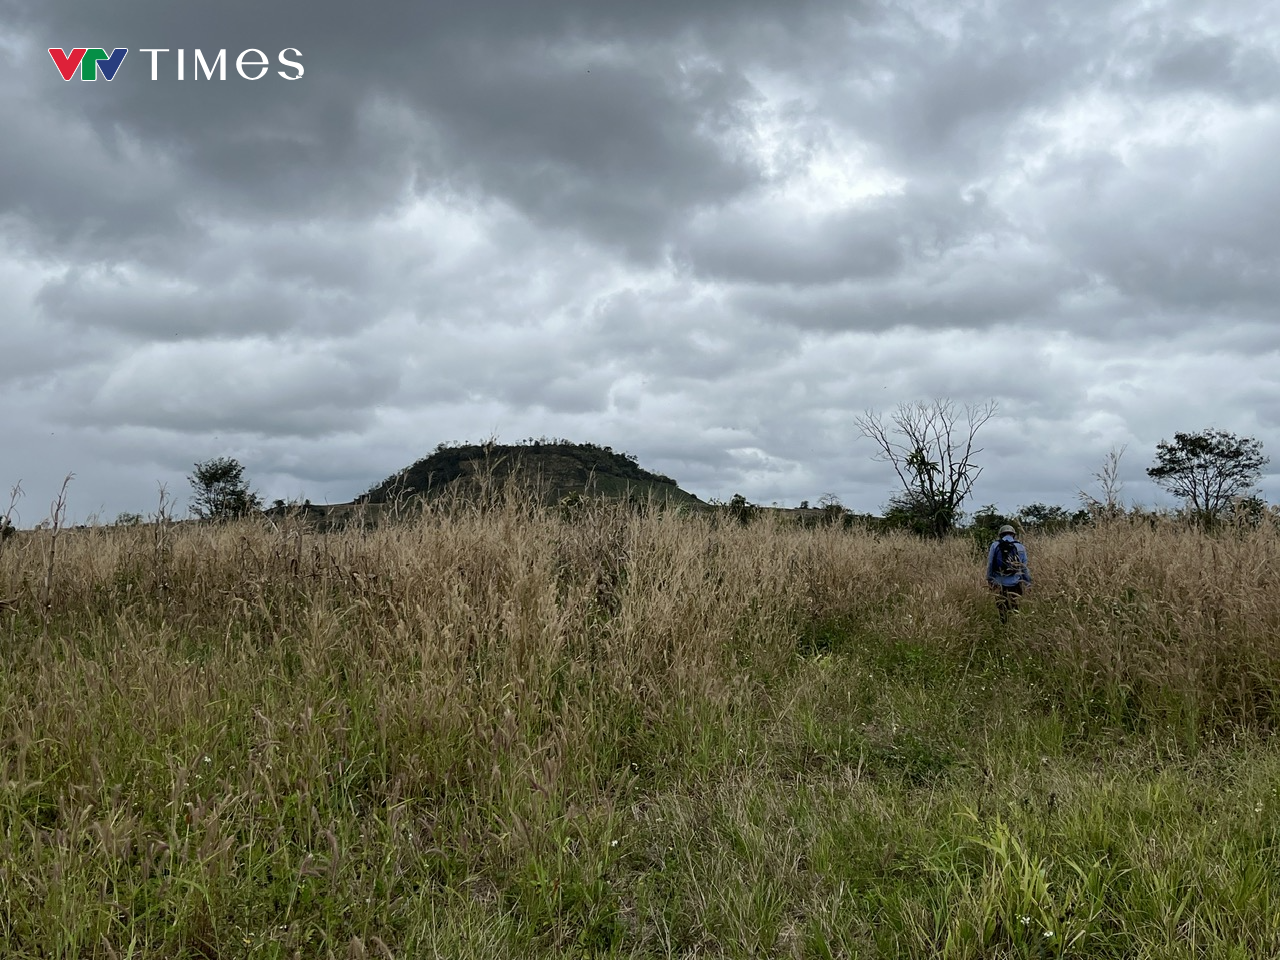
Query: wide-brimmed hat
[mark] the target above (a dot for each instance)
(1007, 529)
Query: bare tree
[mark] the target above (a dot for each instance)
(1108, 506)
(931, 448)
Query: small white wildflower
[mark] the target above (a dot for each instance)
(613, 843)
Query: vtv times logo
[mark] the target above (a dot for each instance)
(90, 61)
(251, 64)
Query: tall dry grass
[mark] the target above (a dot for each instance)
(1164, 622)
(486, 725)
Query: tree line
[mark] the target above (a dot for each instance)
(932, 448)
(933, 452)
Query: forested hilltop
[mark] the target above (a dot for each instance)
(558, 468)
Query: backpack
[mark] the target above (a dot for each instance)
(1008, 563)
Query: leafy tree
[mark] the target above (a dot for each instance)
(1250, 511)
(833, 510)
(1049, 519)
(908, 511)
(220, 491)
(986, 523)
(931, 448)
(1208, 470)
(742, 509)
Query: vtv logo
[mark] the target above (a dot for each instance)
(89, 60)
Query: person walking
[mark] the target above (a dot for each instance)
(1008, 570)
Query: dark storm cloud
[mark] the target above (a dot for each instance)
(776, 243)
(64, 189)
(1181, 61)
(597, 116)
(969, 290)
(301, 390)
(939, 88)
(1188, 228)
(152, 311)
(618, 151)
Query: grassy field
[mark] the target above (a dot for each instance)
(500, 733)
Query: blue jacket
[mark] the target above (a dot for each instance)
(1008, 580)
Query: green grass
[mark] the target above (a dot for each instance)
(495, 735)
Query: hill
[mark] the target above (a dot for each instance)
(554, 468)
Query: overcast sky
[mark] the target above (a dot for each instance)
(706, 233)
